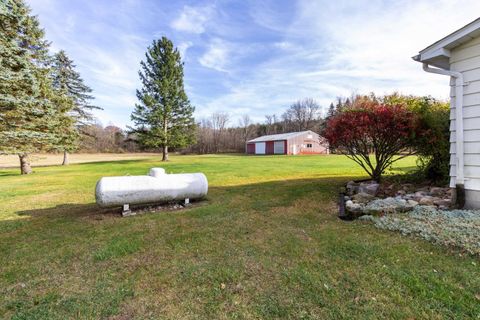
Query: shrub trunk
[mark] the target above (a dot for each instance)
(165, 153)
(65, 159)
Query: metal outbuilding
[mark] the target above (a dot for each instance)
(304, 142)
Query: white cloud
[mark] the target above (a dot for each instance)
(374, 46)
(270, 15)
(183, 47)
(216, 56)
(348, 46)
(192, 19)
(284, 45)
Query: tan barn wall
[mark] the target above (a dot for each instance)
(319, 146)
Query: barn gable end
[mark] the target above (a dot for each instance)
(292, 143)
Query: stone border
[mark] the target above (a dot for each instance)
(343, 213)
(367, 197)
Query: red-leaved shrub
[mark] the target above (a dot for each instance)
(372, 134)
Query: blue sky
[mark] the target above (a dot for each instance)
(254, 57)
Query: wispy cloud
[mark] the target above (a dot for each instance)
(333, 49)
(216, 56)
(183, 47)
(192, 19)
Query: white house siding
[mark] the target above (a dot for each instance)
(466, 59)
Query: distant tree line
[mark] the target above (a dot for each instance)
(110, 139)
(218, 133)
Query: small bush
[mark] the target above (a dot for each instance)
(433, 146)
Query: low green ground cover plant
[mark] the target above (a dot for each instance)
(454, 228)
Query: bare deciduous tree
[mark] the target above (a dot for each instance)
(303, 114)
(97, 138)
(247, 128)
(271, 124)
(219, 122)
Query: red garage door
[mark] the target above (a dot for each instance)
(269, 147)
(251, 148)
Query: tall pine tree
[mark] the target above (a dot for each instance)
(164, 116)
(331, 111)
(68, 80)
(31, 111)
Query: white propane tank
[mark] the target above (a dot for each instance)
(157, 187)
(156, 172)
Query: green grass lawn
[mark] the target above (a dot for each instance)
(266, 244)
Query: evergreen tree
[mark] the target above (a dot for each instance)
(67, 79)
(164, 116)
(331, 111)
(29, 116)
(66, 133)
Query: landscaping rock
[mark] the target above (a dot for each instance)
(425, 189)
(369, 187)
(412, 203)
(353, 207)
(419, 195)
(352, 188)
(428, 201)
(391, 186)
(443, 203)
(409, 196)
(388, 205)
(438, 192)
(451, 194)
(362, 197)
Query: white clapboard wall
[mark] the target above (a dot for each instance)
(466, 59)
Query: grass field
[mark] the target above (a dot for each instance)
(266, 244)
(49, 159)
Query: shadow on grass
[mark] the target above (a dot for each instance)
(410, 169)
(70, 210)
(9, 173)
(253, 196)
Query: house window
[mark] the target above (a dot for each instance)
(309, 145)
